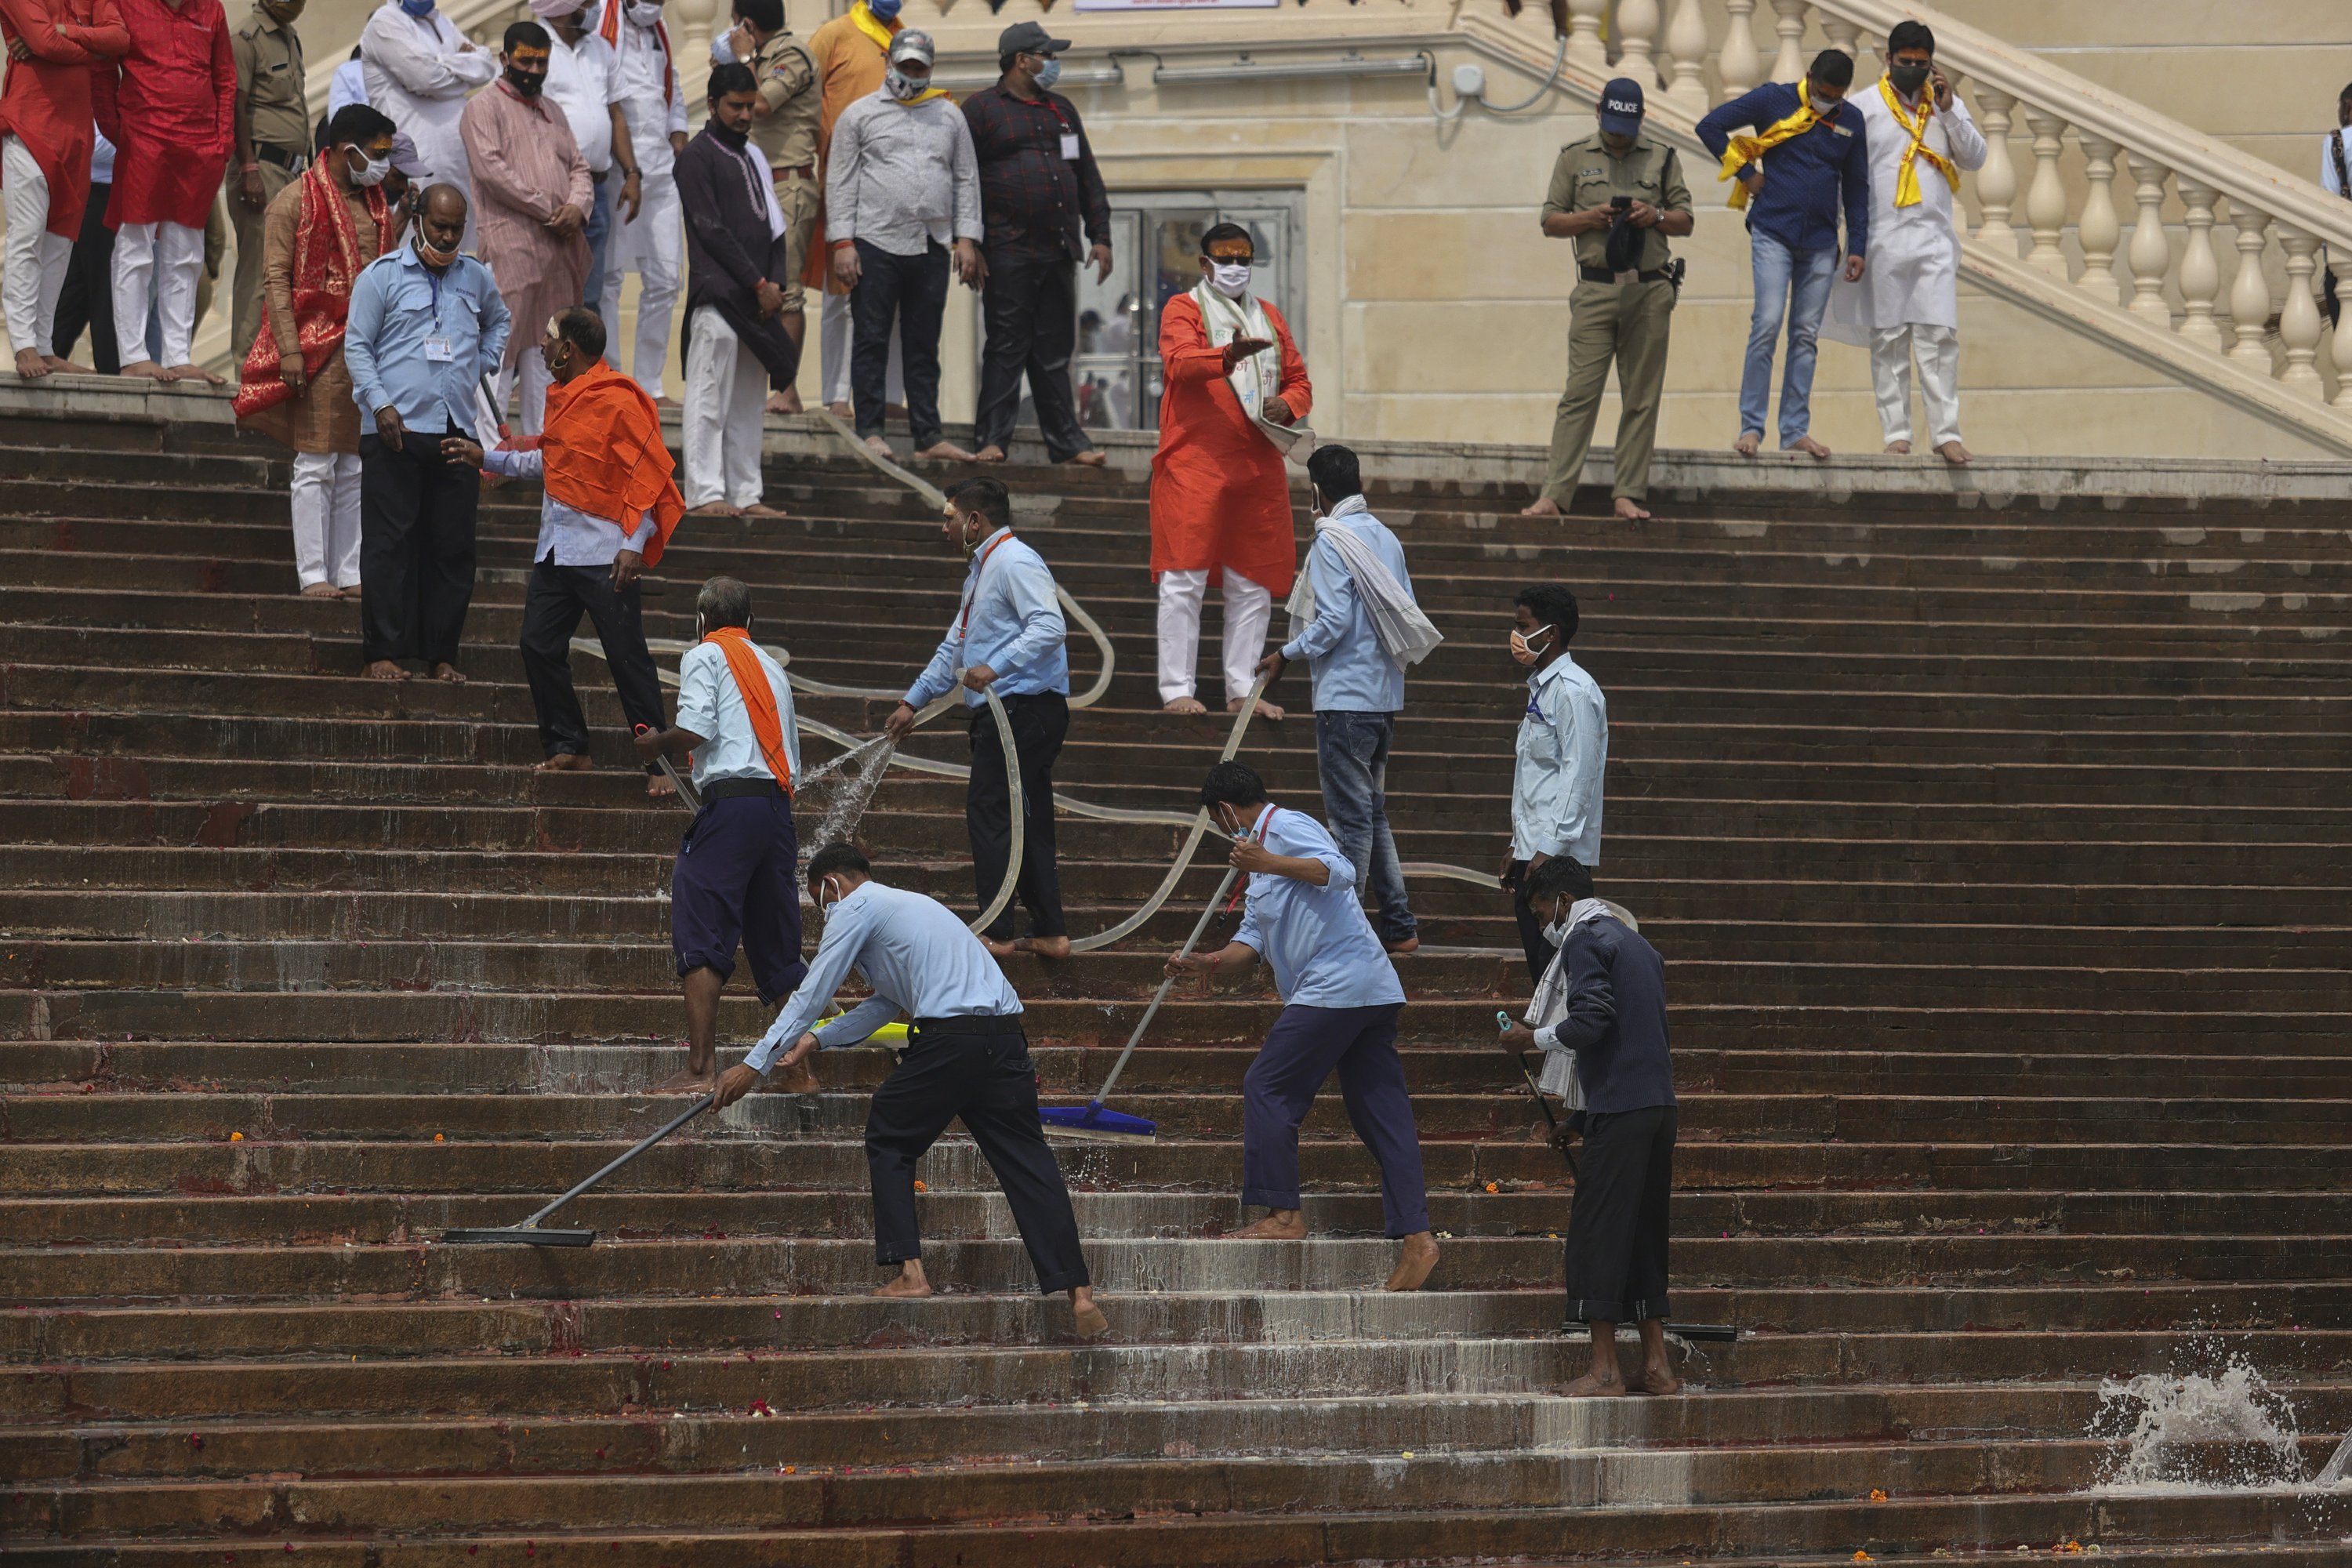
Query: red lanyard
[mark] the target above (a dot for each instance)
(963, 629)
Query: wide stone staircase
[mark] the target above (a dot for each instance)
(1999, 853)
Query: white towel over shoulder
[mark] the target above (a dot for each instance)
(1407, 634)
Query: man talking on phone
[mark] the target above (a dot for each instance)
(1618, 194)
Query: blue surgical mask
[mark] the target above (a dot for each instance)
(1049, 73)
(420, 9)
(884, 10)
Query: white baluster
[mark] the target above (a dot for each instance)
(2250, 292)
(1842, 35)
(1788, 21)
(2342, 266)
(1637, 41)
(1997, 181)
(1687, 55)
(1738, 63)
(2098, 228)
(2045, 200)
(1584, 46)
(2151, 253)
(2299, 320)
(695, 17)
(2201, 274)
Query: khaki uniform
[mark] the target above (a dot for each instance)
(1624, 319)
(268, 56)
(786, 131)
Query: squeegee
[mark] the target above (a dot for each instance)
(532, 1233)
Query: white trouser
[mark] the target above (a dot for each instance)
(1938, 349)
(726, 399)
(654, 248)
(327, 517)
(832, 352)
(35, 258)
(1248, 607)
(156, 266)
(531, 416)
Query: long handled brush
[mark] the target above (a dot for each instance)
(1091, 1120)
(531, 1233)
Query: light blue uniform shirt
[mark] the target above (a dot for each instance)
(1352, 672)
(1322, 948)
(403, 313)
(915, 954)
(567, 535)
(1562, 751)
(1008, 620)
(709, 704)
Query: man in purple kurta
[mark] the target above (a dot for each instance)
(532, 195)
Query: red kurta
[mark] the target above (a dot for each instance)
(46, 102)
(168, 112)
(1220, 491)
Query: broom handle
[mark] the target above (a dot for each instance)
(647, 1142)
(1207, 914)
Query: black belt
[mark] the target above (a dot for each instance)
(1602, 275)
(292, 158)
(794, 171)
(987, 1025)
(742, 789)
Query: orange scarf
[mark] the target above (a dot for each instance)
(759, 698)
(603, 453)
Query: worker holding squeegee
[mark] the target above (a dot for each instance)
(967, 1056)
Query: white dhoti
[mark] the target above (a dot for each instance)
(654, 248)
(326, 497)
(1248, 608)
(35, 258)
(156, 266)
(1938, 352)
(725, 401)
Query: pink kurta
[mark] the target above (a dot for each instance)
(168, 112)
(526, 164)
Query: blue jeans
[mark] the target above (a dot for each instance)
(1794, 285)
(599, 234)
(1351, 752)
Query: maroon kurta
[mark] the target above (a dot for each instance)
(168, 112)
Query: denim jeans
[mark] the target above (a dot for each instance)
(1794, 285)
(1351, 752)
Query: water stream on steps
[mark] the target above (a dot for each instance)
(2223, 1430)
(844, 786)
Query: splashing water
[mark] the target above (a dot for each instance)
(845, 786)
(2199, 1432)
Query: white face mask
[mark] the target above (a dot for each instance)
(643, 14)
(370, 170)
(1231, 278)
(1557, 933)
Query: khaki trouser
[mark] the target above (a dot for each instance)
(246, 313)
(1629, 324)
(800, 199)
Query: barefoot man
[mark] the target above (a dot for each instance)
(1616, 1028)
(967, 1056)
(733, 880)
(1340, 998)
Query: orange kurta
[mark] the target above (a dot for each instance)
(1220, 491)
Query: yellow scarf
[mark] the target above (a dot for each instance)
(1907, 175)
(1745, 149)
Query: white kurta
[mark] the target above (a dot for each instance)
(420, 72)
(1912, 275)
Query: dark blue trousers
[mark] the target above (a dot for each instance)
(1305, 1046)
(737, 879)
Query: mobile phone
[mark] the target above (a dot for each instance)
(1620, 203)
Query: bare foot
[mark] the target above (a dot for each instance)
(1593, 1386)
(1631, 511)
(1898, 448)
(878, 446)
(352, 591)
(1410, 944)
(31, 364)
(449, 672)
(1186, 707)
(63, 367)
(145, 370)
(911, 1285)
(384, 669)
(1416, 1259)
(195, 373)
(1088, 1318)
(1542, 505)
(1656, 1379)
(945, 452)
(1048, 947)
(1807, 446)
(564, 763)
(687, 1081)
(1281, 1224)
(1089, 458)
(714, 509)
(668, 404)
(838, 410)
(1955, 454)
(992, 453)
(658, 787)
(1265, 710)
(322, 591)
(1748, 443)
(761, 509)
(785, 402)
(798, 1079)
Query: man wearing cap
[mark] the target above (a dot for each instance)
(902, 185)
(1038, 183)
(852, 52)
(1618, 195)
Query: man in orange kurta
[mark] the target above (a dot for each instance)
(1220, 492)
(44, 146)
(851, 53)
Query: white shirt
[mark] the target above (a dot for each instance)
(1912, 275)
(567, 536)
(102, 159)
(583, 82)
(710, 705)
(650, 97)
(421, 73)
(348, 87)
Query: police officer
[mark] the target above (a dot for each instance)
(271, 117)
(1619, 195)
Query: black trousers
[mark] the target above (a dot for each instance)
(87, 298)
(416, 548)
(1532, 940)
(911, 291)
(1617, 1230)
(1030, 309)
(985, 1078)
(559, 596)
(1040, 724)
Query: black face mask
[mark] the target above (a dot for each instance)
(528, 83)
(1908, 80)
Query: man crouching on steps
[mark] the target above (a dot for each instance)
(1616, 1029)
(1342, 1000)
(967, 1056)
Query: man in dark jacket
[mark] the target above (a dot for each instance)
(1616, 1028)
(737, 269)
